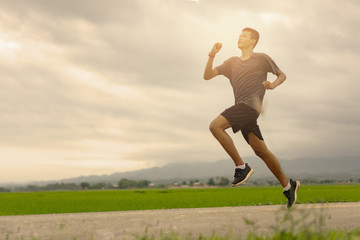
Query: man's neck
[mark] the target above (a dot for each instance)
(246, 53)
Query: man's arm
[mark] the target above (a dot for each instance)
(279, 80)
(211, 72)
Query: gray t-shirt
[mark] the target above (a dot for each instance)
(246, 77)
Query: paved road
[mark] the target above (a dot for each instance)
(205, 221)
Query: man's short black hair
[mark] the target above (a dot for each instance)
(254, 34)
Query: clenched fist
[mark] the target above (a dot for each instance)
(216, 48)
(269, 85)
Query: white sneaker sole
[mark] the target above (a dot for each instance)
(295, 193)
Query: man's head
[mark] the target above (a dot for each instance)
(248, 37)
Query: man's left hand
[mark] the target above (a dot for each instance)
(269, 85)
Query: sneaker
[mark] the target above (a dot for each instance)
(241, 175)
(291, 194)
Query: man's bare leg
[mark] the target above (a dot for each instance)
(268, 157)
(217, 128)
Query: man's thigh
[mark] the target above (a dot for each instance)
(220, 122)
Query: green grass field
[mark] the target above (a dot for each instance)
(121, 200)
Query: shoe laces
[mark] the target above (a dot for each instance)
(238, 172)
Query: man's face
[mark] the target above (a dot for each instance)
(245, 40)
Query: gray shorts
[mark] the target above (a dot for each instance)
(243, 117)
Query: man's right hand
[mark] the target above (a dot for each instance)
(216, 48)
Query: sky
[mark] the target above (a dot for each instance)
(97, 87)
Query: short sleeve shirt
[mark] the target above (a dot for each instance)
(246, 77)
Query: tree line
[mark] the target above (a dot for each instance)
(132, 184)
(122, 184)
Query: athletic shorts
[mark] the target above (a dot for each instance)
(243, 117)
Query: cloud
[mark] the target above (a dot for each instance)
(120, 83)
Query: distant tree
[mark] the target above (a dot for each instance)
(309, 180)
(224, 181)
(143, 184)
(4, 189)
(270, 182)
(211, 182)
(32, 188)
(85, 185)
(99, 185)
(60, 186)
(126, 183)
(256, 183)
(327, 181)
(191, 183)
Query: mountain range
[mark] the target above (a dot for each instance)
(316, 168)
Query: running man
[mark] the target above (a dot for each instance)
(248, 78)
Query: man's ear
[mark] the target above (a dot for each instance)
(253, 41)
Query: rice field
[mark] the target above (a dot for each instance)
(25, 203)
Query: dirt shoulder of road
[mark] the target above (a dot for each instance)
(236, 221)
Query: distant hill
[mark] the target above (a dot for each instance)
(318, 168)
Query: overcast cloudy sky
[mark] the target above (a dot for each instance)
(97, 87)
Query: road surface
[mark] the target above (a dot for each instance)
(234, 221)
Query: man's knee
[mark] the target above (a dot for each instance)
(219, 125)
(213, 127)
(261, 153)
(257, 150)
